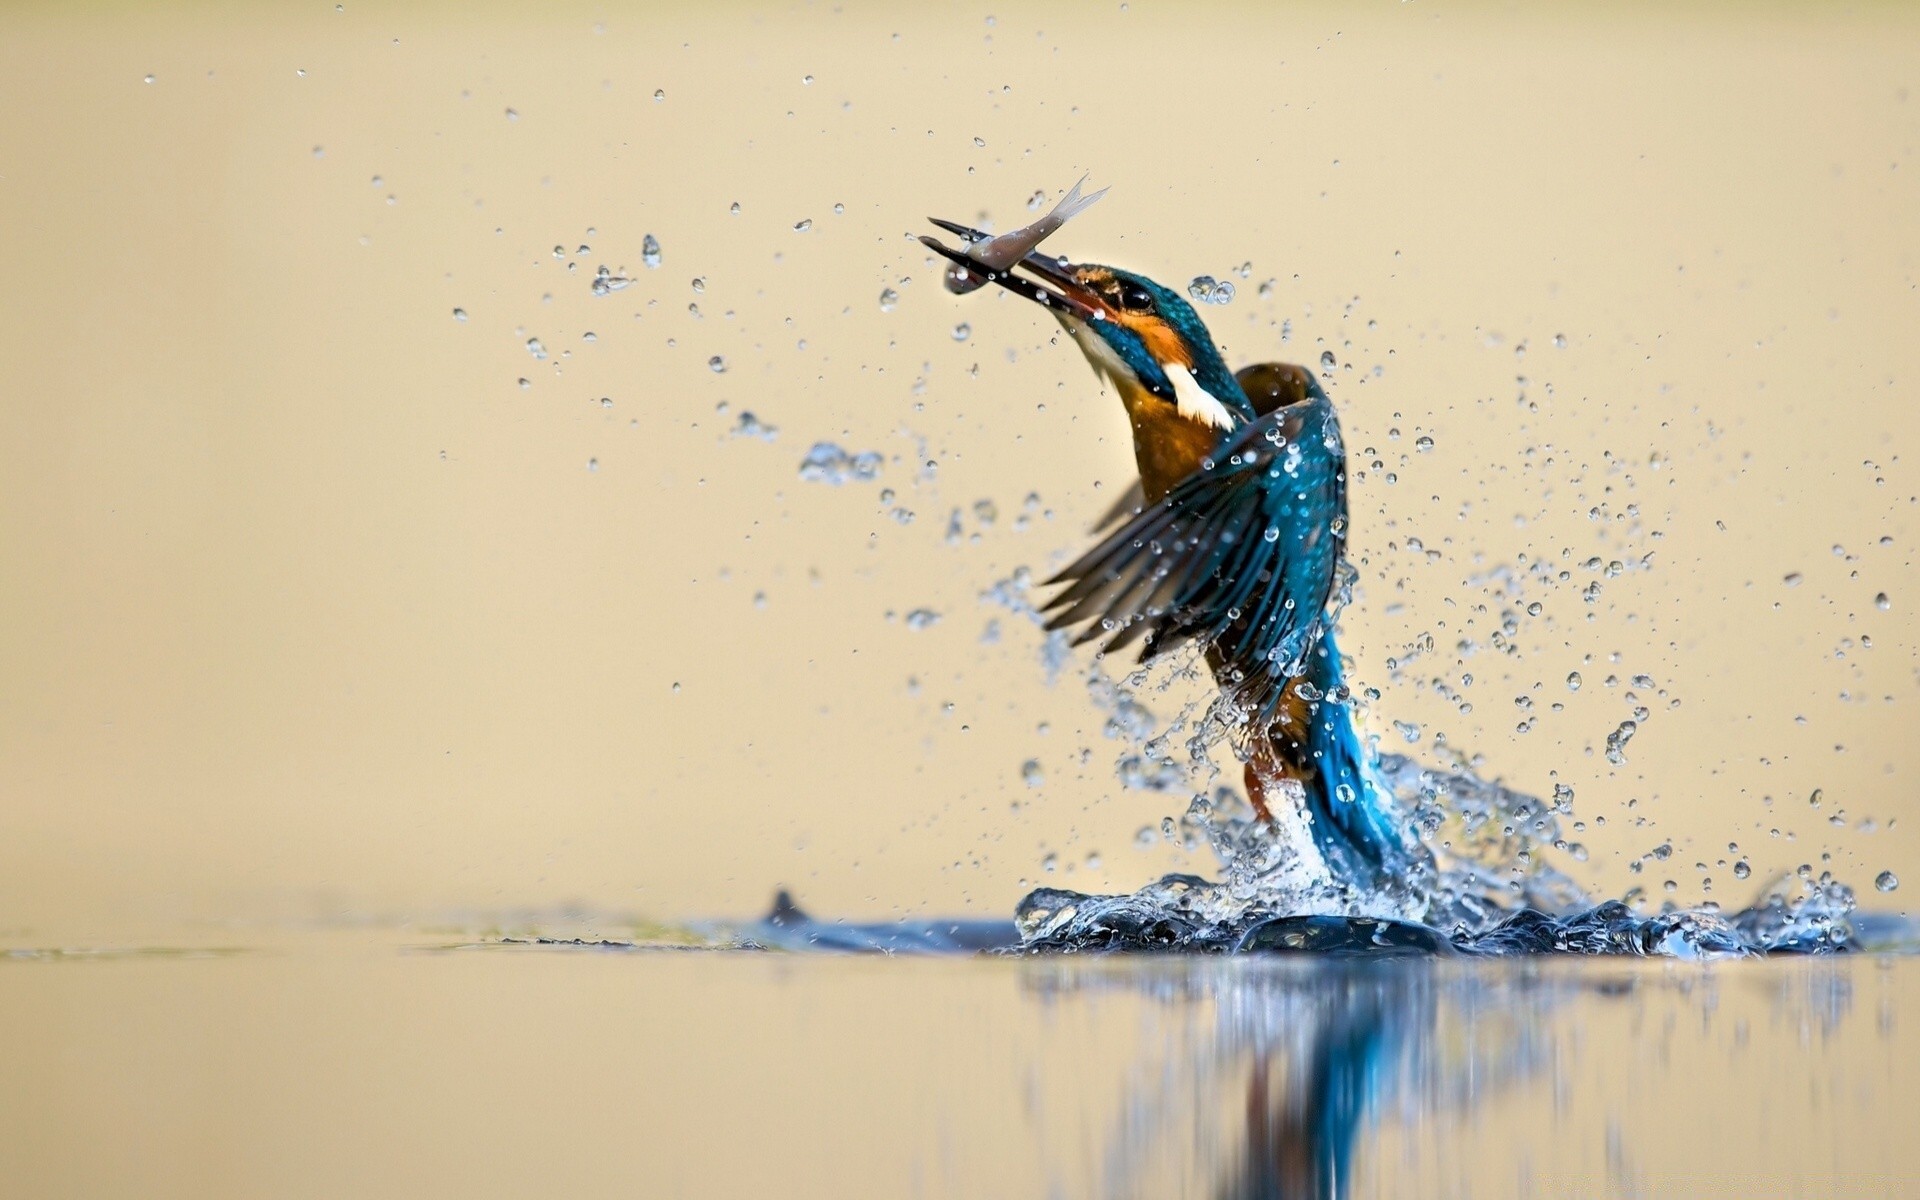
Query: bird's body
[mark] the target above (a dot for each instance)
(1236, 548)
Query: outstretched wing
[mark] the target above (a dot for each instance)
(1240, 556)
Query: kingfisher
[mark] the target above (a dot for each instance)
(1236, 546)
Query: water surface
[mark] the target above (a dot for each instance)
(383, 1063)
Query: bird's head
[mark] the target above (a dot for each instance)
(1143, 337)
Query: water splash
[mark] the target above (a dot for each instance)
(828, 463)
(1489, 889)
(749, 425)
(1205, 289)
(1491, 894)
(606, 282)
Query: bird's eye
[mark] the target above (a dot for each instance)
(1135, 298)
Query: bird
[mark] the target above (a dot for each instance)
(1236, 547)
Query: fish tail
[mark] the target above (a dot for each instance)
(1073, 203)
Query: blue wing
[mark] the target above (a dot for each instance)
(1240, 556)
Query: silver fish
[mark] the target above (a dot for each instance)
(997, 254)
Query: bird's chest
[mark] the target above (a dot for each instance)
(1167, 447)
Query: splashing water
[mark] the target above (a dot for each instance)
(1208, 290)
(749, 425)
(606, 281)
(1488, 888)
(828, 463)
(1490, 894)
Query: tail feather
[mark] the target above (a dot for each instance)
(1355, 823)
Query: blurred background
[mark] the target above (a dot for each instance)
(385, 534)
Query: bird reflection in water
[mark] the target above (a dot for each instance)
(1277, 1072)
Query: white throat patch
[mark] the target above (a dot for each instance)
(1100, 354)
(1195, 402)
(1190, 399)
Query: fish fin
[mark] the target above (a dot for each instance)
(1073, 203)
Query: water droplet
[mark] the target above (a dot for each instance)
(650, 251)
(147, 79)
(734, 208)
(806, 81)
(1573, 681)
(962, 332)
(1792, 579)
(828, 463)
(593, 464)
(1408, 731)
(659, 94)
(536, 347)
(699, 284)
(1050, 863)
(922, 618)
(1207, 290)
(1742, 869)
(1886, 881)
(803, 226)
(459, 314)
(1031, 774)
(1327, 360)
(1880, 601)
(606, 282)
(1560, 341)
(1617, 742)
(1423, 444)
(511, 115)
(750, 426)
(889, 299)
(717, 364)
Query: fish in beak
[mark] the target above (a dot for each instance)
(1001, 253)
(987, 259)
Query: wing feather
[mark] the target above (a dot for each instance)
(1240, 556)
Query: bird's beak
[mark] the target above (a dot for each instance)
(1067, 294)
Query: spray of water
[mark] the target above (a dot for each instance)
(1486, 884)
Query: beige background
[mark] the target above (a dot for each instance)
(309, 610)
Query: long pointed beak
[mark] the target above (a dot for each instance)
(1067, 294)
